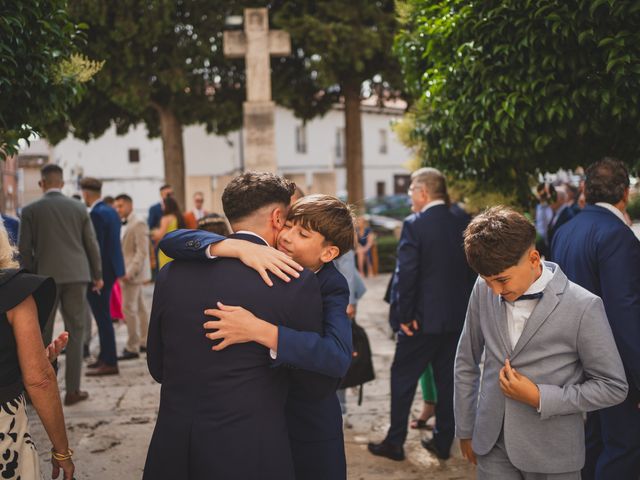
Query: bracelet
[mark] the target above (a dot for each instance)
(61, 457)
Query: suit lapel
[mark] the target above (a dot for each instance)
(501, 317)
(543, 309)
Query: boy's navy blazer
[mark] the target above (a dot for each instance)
(318, 421)
(107, 225)
(218, 410)
(432, 281)
(599, 252)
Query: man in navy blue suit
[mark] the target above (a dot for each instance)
(599, 252)
(107, 225)
(429, 295)
(222, 412)
(155, 210)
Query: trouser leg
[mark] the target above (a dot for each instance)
(412, 356)
(73, 303)
(593, 445)
(88, 317)
(100, 307)
(442, 364)
(130, 306)
(496, 465)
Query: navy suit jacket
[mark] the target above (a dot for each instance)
(432, 281)
(154, 216)
(13, 227)
(107, 224)
(222, 413)
(599, 252)
(565, 215)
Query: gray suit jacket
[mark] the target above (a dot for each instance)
(135, 248)
(566, 348)
(57, 239)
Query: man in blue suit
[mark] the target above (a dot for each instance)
(431, 288)
(222, 413)
(155, 210)
(107, 225)
(599, 252)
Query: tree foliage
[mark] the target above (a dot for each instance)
(508, 88)
(39, 74)
(338, 46)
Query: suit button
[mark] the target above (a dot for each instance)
(190, 243)
(197, 245)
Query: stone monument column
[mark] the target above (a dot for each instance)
(256, 44)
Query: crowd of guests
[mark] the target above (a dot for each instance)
(515, 332)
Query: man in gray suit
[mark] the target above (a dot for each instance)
(549, 353)
(57, 239)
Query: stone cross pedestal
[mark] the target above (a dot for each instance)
(256, 44)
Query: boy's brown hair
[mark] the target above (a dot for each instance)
(497, 239)
(328, 216)
(251, 191)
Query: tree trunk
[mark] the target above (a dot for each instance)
(173, 152)
(353, 134)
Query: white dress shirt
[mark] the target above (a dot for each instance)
(613, 210)
(519, 312)
(434, 203)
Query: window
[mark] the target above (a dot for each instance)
(401, 184)
(381, 189)
(340, 147)
(134, 155)
(383, 141)
(301, 139)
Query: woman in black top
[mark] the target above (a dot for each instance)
(25, 303)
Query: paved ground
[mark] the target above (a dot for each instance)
(110, 432)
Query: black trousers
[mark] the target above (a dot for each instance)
(412, 356)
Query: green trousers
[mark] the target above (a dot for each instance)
(428, 386)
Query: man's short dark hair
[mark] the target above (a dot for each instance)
(165, 186)
(51, 173)
(91, 184)
(251, 191)
(497, 239)
(606, 181)
(125, 197)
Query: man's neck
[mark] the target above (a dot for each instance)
(240, 228)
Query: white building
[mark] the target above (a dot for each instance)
(133, 163)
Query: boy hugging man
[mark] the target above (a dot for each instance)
(549, 357)
(318, 229)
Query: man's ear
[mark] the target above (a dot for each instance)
(329, 253)
(277, 218)
(534, 257)
(625, 197)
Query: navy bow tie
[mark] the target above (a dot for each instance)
(531, 296)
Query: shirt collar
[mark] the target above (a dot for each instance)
(93, 205)
(541, 283)
(613, 210)
(53, 190)
(247, 232)
(433, 203)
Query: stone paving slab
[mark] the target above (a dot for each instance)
(110, 432)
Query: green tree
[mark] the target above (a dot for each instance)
(509, 88)
(164, 67)
(338, 45)
(39, 74)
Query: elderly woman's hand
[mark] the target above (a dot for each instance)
(55, 348)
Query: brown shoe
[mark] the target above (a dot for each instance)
(103, 370)
(71, 398)
(96, 364)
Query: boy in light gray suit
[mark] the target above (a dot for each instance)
(549, 357)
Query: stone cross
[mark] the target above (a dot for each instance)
(256, 44)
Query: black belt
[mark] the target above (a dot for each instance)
(9, 392)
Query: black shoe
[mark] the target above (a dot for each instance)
(96, 364)
(85, 351)
(431, 446)
(143, 349)
(384, 449)
(127, 355)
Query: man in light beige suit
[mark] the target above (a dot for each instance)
(135, 248)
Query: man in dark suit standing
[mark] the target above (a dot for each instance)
(562, 211)
(57, 239)
(222, 413)
(431, 288)
(598, 251)
(107, 226)
(155, 210)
